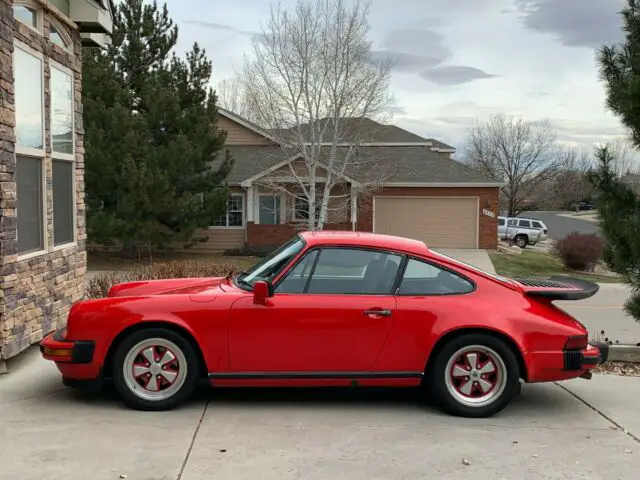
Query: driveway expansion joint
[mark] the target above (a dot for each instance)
(599, 412)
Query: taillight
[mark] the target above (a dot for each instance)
(576, 342)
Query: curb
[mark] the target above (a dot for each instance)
(624, 353)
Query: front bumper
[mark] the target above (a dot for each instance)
(57, 348)
(595, 354)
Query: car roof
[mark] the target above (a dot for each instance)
(364, 239)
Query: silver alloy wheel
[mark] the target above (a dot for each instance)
(155, 369)
(475, 376)
(521, 241)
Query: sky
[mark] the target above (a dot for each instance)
(456, 61)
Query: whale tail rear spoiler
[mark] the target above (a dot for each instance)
(557, 288)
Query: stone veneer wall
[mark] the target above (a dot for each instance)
(36, 293)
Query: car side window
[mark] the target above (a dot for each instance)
(351, 271)
(525, 223)
(422, 278)
(537, 224)
(512, 223)
(501, 221)
(296, 279)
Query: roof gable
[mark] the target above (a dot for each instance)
(241, 131)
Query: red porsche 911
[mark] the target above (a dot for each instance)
(331, 309)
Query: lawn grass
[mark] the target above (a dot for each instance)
(539, 265)
(107, 261)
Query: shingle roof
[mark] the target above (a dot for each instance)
(392, 164)
(368, 131)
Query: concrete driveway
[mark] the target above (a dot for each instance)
(551, 431)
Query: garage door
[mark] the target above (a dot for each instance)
(437, 221)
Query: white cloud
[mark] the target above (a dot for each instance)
(457, 60)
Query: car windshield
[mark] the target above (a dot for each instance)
(268, 268)
(479, 270)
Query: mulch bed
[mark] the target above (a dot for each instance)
(626, 369)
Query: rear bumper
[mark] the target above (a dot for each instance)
(559, 365)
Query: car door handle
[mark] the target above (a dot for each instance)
(378, 313)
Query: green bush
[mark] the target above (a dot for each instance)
(249, 251)
(579, 251)
(98, 287)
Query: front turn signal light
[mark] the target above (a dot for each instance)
(58, 352)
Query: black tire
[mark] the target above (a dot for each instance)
(440, 386)
(521, 241)
(124, 386)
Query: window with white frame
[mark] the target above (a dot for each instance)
(269, 209)
(59, 36)
(62, 153)
(30, 150)
(234, 216)
(27, 12)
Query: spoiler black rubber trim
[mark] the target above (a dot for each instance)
(583, 289)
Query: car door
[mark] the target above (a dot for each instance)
(330, 313)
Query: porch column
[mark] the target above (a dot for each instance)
(250, 203)
(354, 208)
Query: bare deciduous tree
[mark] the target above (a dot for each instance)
(232, 96)
(626, 158)
(312, 82)
(521, 153)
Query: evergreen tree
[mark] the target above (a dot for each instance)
(619, 207)
(619, 216)
(151, 140)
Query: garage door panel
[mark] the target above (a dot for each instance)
(437, 221)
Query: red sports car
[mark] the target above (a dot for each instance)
(332, 309)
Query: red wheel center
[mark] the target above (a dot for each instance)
(474, 374)
(155, 368)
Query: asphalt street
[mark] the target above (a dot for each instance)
(560, 226)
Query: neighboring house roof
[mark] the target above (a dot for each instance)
(440, 145)
(403, 165)
(365, 130)
(391, 156)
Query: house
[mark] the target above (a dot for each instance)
(42, 223)
(425, 195)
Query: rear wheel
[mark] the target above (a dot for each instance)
(474, 375)
(155, 369)
(521, 241)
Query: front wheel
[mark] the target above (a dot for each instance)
(475, 375)
(155, 369)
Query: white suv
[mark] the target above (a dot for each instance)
(521, 231)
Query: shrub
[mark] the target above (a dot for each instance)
(579, 251)
(98, 287)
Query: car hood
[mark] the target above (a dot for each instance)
(175, 286)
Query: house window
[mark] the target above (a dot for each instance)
(62, 151)
(61, 112)
(269, 213)
(28, 100)
(63, 204)
(234, 215)
(25, 13)
(59, 37)
(30, 153)
(29, 175)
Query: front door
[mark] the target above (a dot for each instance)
(331, 313)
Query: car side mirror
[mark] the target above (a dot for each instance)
(261, 291)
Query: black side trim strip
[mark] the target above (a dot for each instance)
(309, 375)
(591, 360)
